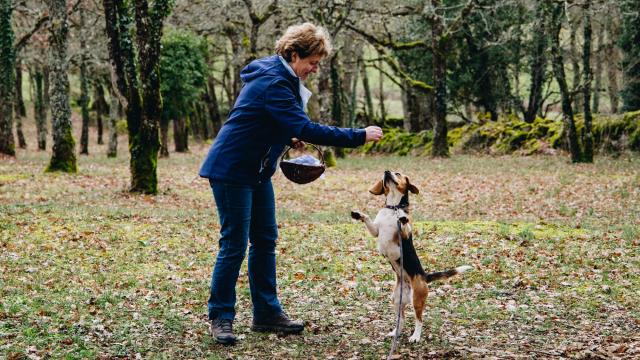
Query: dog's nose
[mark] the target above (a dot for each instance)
(387, 172)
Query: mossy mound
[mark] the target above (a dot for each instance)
(400, 142)
(513, 136)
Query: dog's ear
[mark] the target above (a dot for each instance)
(412, 187)
(377, 188)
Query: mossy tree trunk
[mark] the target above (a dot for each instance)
(538, 65)
(143, 117)
(63, 157)
(20, 109)
(631, 59)
(557, 11)
(256, 22)
(114, 112)
(84, 86)
(587, 136)
(440, 147)
(39, 110)
(574, 58)
(7, 68)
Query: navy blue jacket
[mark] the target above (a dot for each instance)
(266, 115)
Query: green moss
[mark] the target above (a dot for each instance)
(63, 158)
(511, 135)
(330, 159)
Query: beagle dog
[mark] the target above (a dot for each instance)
(396, 188)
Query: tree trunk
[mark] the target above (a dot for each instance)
(383, 111)
(63, 157)
(595, 108)
(142, 122)
(485, 93)
(198, 127)
(587, 136)
(7, 68)
(213, 106)
(336, 100)
(180, 135)
(46, 101)
(114, 112)
(575, 66)
(367, 95)
(164, 138)
(538, 65)
(558, 69)
(353, 101)
(631, 55)
(20, 109)
(237, 62)
(84, 88)
(440, 146)
(412, 109)
(100, 107)
(613, 89)
(146, 142)
(39, 111)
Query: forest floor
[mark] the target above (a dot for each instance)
(88, 270)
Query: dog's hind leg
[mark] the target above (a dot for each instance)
(405, 301)
(420, 292)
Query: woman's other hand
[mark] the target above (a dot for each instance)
(374, 133)
(297, 143)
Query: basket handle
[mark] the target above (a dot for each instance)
(315, 146)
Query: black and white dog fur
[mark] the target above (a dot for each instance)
(396, 188)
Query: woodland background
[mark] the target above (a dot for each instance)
(518, 120)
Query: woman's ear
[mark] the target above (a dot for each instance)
(294, 57)
(377, 188)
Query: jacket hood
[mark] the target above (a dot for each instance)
(268, 66)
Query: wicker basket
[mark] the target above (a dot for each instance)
(302, 173)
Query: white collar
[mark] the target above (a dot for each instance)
(305, 93)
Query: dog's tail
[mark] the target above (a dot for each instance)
(441, 275)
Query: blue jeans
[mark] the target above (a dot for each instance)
(246, 212)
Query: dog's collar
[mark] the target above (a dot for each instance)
(404, 204)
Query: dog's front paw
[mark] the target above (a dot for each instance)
(414, 338)
(356, 215)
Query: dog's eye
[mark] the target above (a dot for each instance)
(398, 174)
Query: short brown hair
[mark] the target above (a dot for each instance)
(305, 40)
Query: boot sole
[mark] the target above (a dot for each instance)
(225, 341)
(276, 329)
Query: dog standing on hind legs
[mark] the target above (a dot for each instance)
(396, 188)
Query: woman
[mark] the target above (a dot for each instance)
(267, 116)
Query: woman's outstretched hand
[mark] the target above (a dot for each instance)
(374, 133)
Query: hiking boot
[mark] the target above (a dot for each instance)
(222, 331)
(278, 323)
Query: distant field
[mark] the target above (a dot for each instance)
(90, 271)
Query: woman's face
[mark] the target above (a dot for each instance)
(305, 66)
